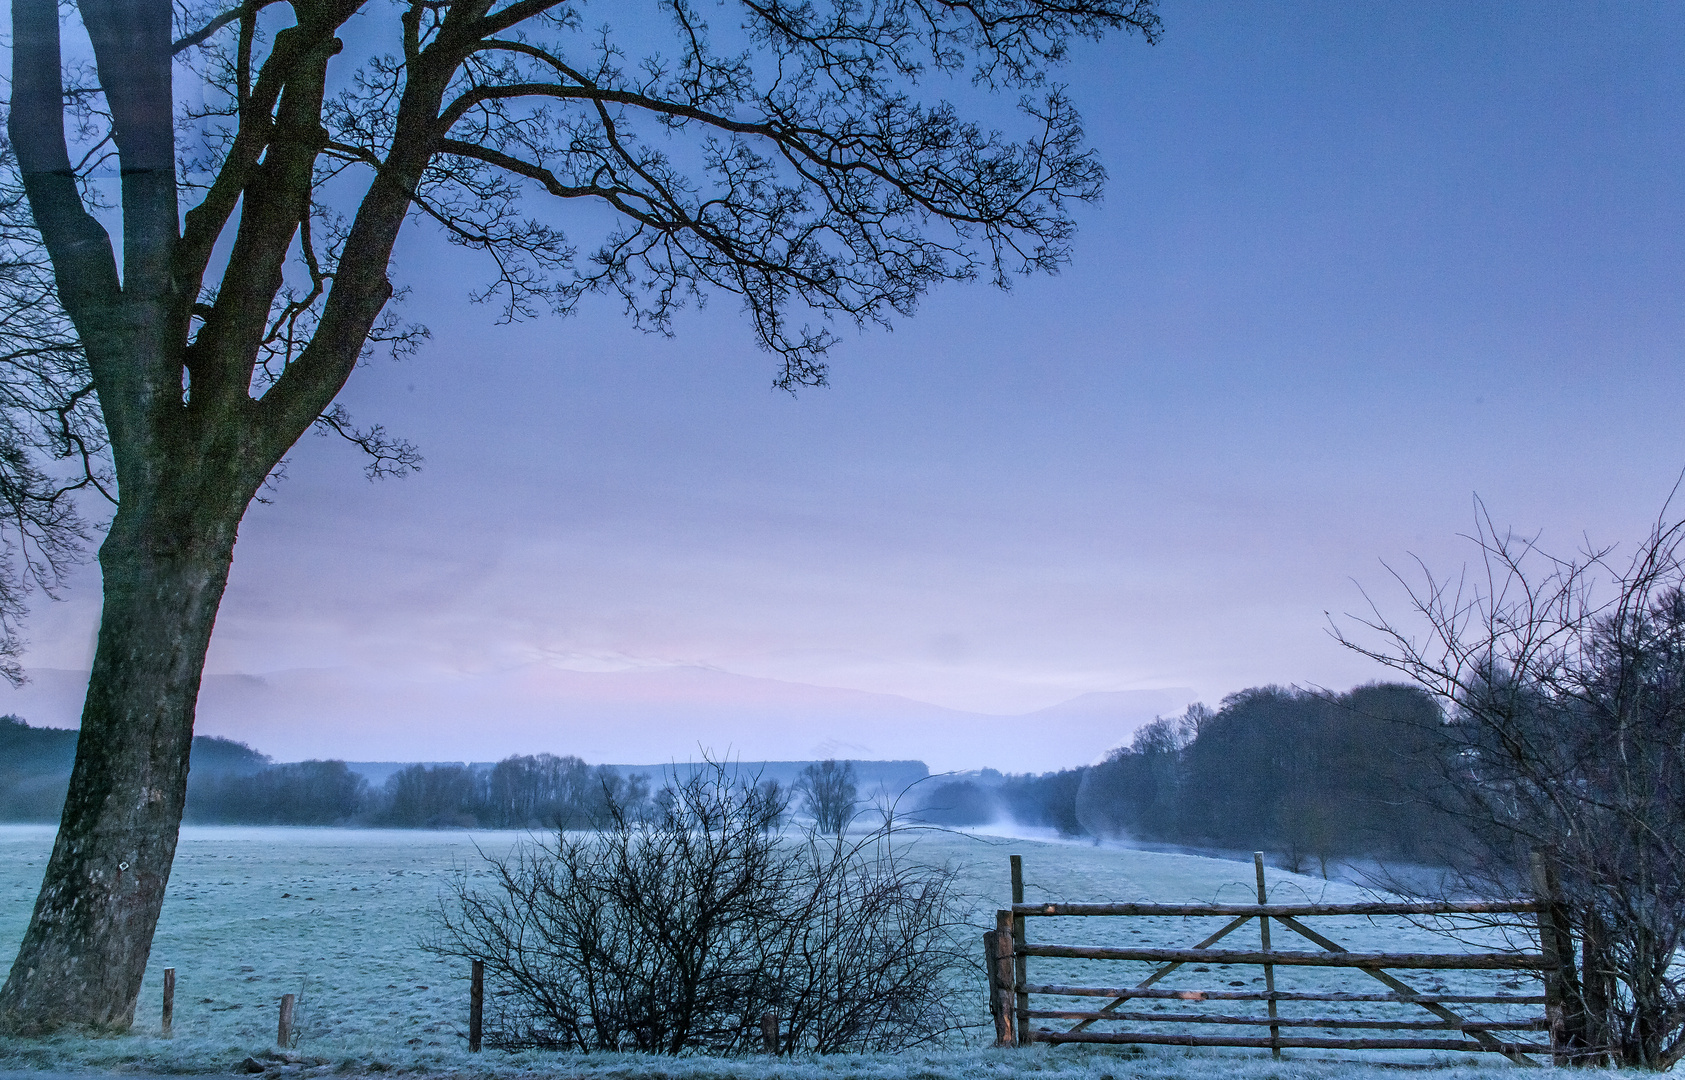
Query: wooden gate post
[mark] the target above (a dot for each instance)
(476, 1005)
(769, 1033)
(1556, 945)
(1020, 969)
(1269, 969)
(284, 1026)
(167, 1016)
(991, 968)
(1006, 973)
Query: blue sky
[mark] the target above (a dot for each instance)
(1356, 263)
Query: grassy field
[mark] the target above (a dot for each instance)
(337, 917)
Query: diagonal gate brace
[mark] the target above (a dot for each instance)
(1483, 1037)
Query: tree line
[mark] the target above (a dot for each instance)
(233, 784)
(521, 791)
(1308, 776)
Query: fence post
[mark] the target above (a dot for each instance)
(1269, 969)
(284, 1029)
(1006, 973)
(769, 1032)
(1557, 953)
(476, 1005)
(1020, 962)
(167, 1016)
(991, 965)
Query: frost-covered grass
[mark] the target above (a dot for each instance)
(337, 917)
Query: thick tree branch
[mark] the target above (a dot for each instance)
(77, 243)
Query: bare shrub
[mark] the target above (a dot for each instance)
(677, 929)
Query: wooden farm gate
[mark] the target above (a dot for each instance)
(1008, 946)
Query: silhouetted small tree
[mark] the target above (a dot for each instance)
(829, 794)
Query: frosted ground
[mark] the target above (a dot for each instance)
(336, 916)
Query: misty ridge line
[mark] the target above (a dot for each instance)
(353, 714)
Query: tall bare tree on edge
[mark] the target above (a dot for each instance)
(803, 177)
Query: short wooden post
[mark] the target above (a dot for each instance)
(1020, 968)
(769, 1032)
(167, 1016)
(476, 1005)
(1556, 954)
(284, 1029)
(1006, 973)
(1269, 969)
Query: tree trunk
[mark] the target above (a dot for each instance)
(86, 948)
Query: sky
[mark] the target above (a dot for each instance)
(1357, 264)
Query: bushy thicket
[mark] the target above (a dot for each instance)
(677, 929)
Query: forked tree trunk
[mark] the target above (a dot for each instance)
(190, 443)
(86, 948)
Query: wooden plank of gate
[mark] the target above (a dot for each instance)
(1236, 924)
(1485, 1039)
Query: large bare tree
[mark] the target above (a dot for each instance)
(780, 153)
(1563, 682)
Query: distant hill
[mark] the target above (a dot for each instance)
(35, 765)
(633, 715)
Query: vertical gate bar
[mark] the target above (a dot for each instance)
(1021, 966)
(1269, 969)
